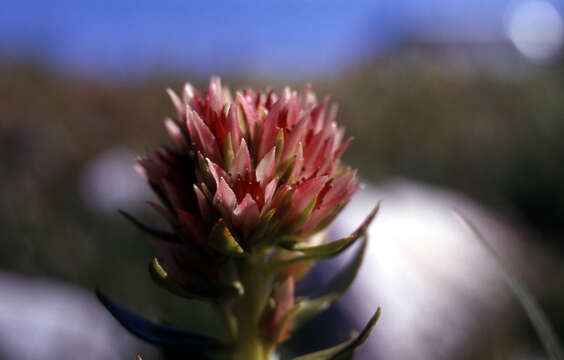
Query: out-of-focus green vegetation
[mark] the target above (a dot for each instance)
(497, 138)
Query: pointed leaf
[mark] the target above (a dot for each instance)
(345, 350)
(196, 290)
(158, 334)
(310, 308)
(300, 221)
(223, 241)
(327, 250)
(265, 168)
(241, 163)
(284, 298)
(262, 227)
(161, 234)
(228, 154)
(307, 309)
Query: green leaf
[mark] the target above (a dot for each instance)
(309, 308)
(161, 234)
(206, 172)
(284, 170)
(345, 350)
(228, 154)
(532, 309)
(158, 334)
(197, 290)
(223, 241)
(262, 227)
(298, 223)
(327, 250)
(279, 144)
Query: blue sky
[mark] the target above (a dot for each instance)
(288, 38)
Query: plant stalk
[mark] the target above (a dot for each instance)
(250, 344)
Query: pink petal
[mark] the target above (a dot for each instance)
(284, 298)
(292, 118)
(306, 97)
(241, 163)
(175, 133)
(205, 209)
(279, 194)
(332, 114)
(225, 198)
(269, 130)
(318, 115)
(268, 195)
(297, 171)
(304, 193)
(327, 207)
(246, 215)
(341, 187)
(216, 171)
(174, 194)
(295, 136)
(140, 169)
(341, 149)
(249, 113)
(265, 168)
(206, 139)
(323, 163)
(171, 218)
(232, 126)
(216, 94)
(188, 93)
(191, 227)
(312, 150)
(177, 103)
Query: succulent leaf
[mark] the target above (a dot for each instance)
(309, 308)
(223, 241)
(161, 234)
(197, 289)
(326, 250)
(159, 334)
(345, 350)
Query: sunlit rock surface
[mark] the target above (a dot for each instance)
(109, 182)
(44, 320)
(429, 274)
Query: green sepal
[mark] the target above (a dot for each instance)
(196, 290)
(282, 213)
(284, 170)
(262, 227)
(288, 240)
(241, 119)
(300, 221)
(327, 250)
(228, 154)
(327, 220)
(223, 241)
(289, 316)
(309, 308)
(279, 144)
(344, 351)
(204, 168)
(206, 192)
(161, 234)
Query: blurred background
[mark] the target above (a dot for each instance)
(453, 104)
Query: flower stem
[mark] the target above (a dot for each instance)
(256, 280)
